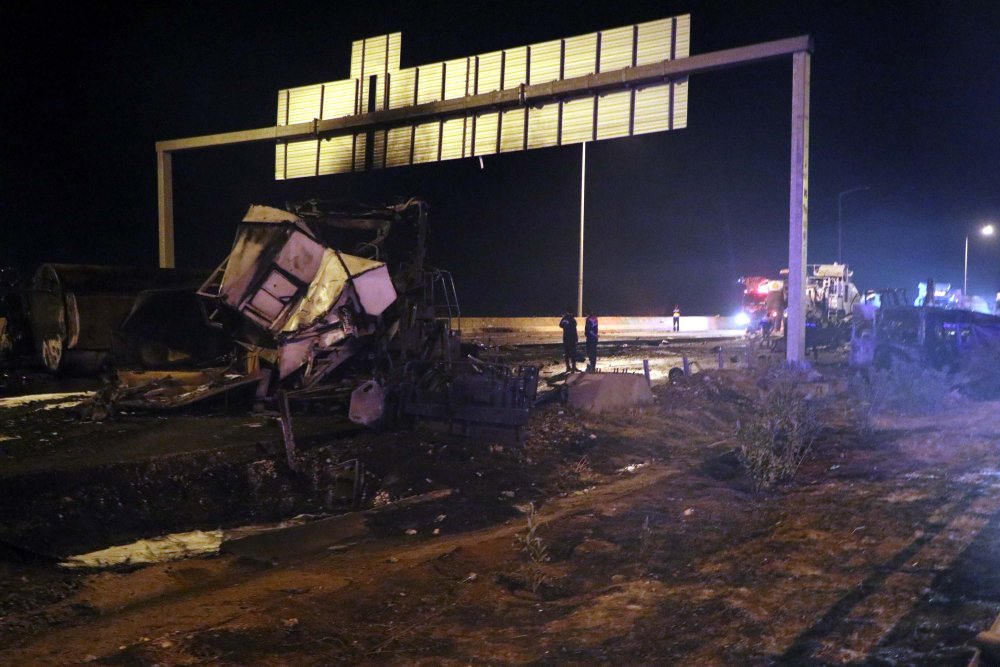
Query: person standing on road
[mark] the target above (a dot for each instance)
(677, 318)
(590, 336)
(568, 325)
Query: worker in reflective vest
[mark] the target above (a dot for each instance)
(590, 336)
(677, 318)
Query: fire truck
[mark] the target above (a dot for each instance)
(830, 296)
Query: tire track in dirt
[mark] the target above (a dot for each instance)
(856, 623)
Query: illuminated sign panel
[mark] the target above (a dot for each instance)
(378, 83)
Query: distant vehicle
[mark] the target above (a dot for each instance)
(939, 338)
(762, 299)
(946, 297)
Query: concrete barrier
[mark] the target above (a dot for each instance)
(615, 327)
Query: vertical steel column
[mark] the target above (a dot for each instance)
(583, 189)
(798, 212)
(165, 204)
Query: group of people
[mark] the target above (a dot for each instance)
(568, 326)
(590, 332)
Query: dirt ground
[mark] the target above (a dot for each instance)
(627, 538)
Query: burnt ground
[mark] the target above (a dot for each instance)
(881, 551)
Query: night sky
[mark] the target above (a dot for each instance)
(905, 100)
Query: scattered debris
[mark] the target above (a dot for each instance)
(154, 550)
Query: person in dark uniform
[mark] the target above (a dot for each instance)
(677, 318)
(590, 336)
(568, 325)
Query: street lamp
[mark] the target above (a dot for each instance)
(840, 235)
(985, 230)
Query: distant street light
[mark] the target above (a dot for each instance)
(840, 234)
(985, 230)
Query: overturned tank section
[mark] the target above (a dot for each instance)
(76, 311)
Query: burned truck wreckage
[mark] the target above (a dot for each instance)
(302, 307)
(318, 302)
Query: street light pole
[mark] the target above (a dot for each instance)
(840, 235)
(965, 270)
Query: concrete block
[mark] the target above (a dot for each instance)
(601, 392)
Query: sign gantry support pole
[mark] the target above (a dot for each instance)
(165, 201)
(583, 191)
(798, 212)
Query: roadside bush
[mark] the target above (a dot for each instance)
(980, 378)
(775, 440)
(903, 387)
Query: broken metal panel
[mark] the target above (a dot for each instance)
(272, 260)
(324, 290)
(372, 283)
(259, 213)
(176, 389)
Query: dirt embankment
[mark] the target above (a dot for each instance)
(646, 546)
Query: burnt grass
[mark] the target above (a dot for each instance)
(704, 570)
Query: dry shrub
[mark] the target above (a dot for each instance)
(778, 436)
(980, 378)
(906, 387)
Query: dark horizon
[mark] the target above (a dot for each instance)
(903, 101)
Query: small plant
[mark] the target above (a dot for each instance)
(538, 553)
(777, 437)
(582, 469)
